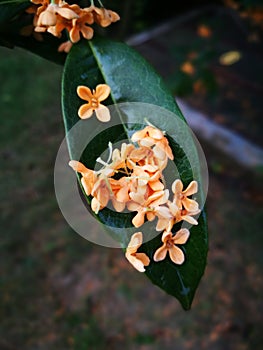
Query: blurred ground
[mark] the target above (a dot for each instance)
(188, 52)
(59, 291)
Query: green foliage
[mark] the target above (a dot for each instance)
(104, 61)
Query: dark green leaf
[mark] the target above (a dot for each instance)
(9, 9)
(132, 79)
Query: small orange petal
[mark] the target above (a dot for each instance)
(190, 204)
(181, 236)
(136, 263)
(87, 32)
(65, 47)
(84, 93)
(47, 18)
(160, 253)
(103, 113)
(147, 142)
(123, 195)
(78, 166)
(191, 188)
(66, 13)
(135, 242)
(155, 133)
(156, 185)
(87, 185)
(102, 92)
(150, 215)
(177, 186)
(176, 255)
(162, 224)
(159, 152)
(138, 219)
(118, 206)
(189, 219)
(95, 205)
(133, 206)
(74, 35)
(85, 111)
(143, 258)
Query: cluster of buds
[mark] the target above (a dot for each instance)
(56, 16)
(132, 178)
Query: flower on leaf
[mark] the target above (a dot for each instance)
(151, 136)
(138, 260)
(94, 99)
(182, 214)
(181, 196)
(169, 246)
(148, 207)
(172, 214)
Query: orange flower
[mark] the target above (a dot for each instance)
(170, 242)
(146, 157)
(94, 98)
(48, 17)
(151, 136)
(61, 24)
(170, 215)
(146, 177)
(146, 207)
(88, 176)
(56, 15)
(138, 260)
(147, 136)
(65, 47)
(181, 197)
(121, 158)
(102, 16)
(79, 25)
(106, 17)
(183, 214)
(187, 216)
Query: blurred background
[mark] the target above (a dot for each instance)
(59, 291)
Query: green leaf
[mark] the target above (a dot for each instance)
(132, 79)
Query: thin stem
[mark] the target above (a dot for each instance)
(101, 4)
(99, 160)
(110, 152)
(11, 2)
(150, 124)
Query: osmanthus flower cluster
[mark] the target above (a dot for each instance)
(56, 16)
(133, 179)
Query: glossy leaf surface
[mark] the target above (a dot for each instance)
(132, 79)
